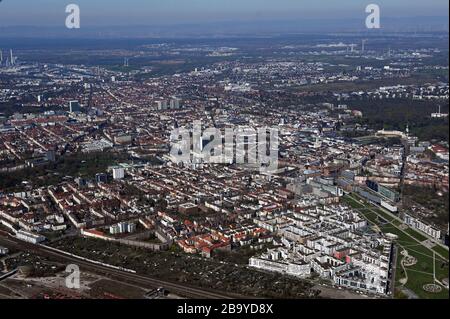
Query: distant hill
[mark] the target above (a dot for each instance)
(232, 28)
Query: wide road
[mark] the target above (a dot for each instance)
(182, 290)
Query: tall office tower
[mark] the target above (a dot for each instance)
(363, 45)
(175, 103)
(11, 58)
(161, 105)
(74, 106)
(1, 57)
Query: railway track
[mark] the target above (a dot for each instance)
(183, 290)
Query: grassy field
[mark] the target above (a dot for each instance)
(422, 272)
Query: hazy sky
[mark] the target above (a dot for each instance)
(157, 12)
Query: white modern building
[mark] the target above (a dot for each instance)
(118, 173)
(416, 223)
(330, 242)
(30, 237)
